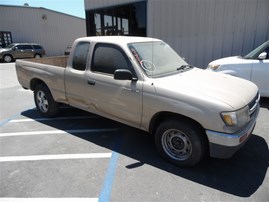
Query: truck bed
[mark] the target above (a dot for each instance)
(49, 70)
(59, 61)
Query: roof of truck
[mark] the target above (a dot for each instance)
(117, 39)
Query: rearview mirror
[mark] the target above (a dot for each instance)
(123, 74)
(262, 56)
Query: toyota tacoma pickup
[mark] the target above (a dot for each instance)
(144, 83)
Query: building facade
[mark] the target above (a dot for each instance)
(53, 30)
(199, 30)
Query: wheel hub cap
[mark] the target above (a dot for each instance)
(42, 101)
(176, 144)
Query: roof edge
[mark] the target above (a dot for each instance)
(41, 8)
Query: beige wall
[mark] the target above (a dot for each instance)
(53, 30)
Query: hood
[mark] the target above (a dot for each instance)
(207, 85)
(4, 49)
(229, 60)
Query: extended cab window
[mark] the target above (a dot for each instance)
(108, 58)
(80, 56)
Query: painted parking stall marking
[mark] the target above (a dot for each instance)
(48, 199)
(113, 156)
(54, 132)
(54, 119)
(55, 157)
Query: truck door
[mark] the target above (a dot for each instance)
(118, 99)
(75, 83)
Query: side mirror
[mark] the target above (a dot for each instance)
(123, 74)
(262, 56)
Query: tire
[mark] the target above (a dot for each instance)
(181, 143)
(37, 56)
(44, 101)
(8, 58)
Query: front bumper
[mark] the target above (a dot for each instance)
(223, 145)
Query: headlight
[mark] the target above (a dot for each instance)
(236, 119)
(213, 66)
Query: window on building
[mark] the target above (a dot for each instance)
(128, 19)
(80, 56)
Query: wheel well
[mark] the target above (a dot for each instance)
(163, 116)
(8, 54)
(35, 82)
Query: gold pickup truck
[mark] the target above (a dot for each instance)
(143, 83)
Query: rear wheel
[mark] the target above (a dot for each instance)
(182, 143)
(44, 101)
(37, 56)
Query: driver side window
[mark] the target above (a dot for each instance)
(108, 58)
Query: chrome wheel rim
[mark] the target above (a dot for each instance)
(42, 101)
(37, 56)
(176, 144)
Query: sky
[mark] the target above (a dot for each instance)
(71, 7)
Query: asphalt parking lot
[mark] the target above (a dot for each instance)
(79, 156)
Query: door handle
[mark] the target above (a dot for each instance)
(91, 82)
(131, 90)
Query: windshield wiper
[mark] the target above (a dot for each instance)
(184, 67)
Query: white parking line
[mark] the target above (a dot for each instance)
(57, 132)
(48, 199)
(52, 119)
(55, 157)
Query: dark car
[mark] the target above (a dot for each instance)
(21, 50)
(67, 50)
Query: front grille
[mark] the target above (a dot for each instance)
(253, 105)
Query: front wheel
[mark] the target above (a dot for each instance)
(44, 101)
(8, 58)
(182, 143)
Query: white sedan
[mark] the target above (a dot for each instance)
(254, 67)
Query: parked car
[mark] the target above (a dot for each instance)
(21, 50)
(254, 67)
(67, 50)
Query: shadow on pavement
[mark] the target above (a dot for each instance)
(241, 175)
(264, 102)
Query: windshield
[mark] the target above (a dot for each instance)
(255, 53)
(156, 58)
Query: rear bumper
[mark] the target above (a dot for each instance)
(223, 145)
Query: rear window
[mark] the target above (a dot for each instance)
(37, 47)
